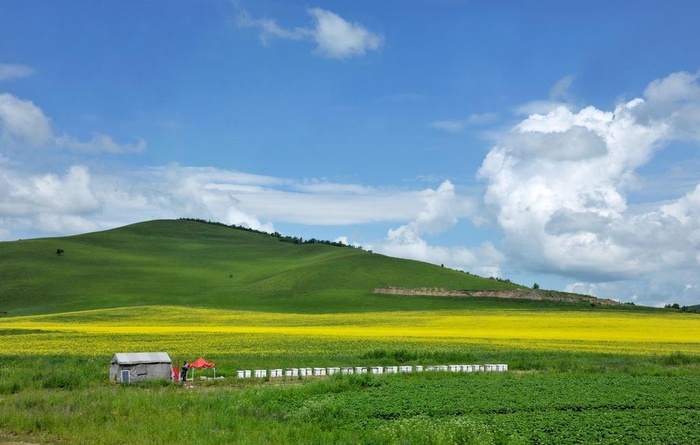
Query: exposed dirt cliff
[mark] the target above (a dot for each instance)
(523, 294)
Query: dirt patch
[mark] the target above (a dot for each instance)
(521, 294)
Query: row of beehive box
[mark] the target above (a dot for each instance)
(308, 372)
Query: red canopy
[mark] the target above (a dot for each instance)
(201, 363)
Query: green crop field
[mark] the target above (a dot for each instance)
(579, 372)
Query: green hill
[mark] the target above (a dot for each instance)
(191, 263)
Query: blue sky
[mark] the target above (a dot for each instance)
(545, 141)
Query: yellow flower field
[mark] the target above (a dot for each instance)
(205, 331)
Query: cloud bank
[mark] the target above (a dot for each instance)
(558, 184)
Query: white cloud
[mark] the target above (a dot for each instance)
(438, 214)
(270, 29)
(342, 240)
(483, 260)
(340, 39)
(23, 122)
(231, 197)
(213, 192)
(27, 196)
(441, 210)
(14, 71)
(674, 100)
(335, 37)
(24, 125)
(558, 183)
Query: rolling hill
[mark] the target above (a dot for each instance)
(198, 264)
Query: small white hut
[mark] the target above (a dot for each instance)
(129, 367)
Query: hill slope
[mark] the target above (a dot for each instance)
(177, 262)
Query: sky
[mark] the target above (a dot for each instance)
(544, 142)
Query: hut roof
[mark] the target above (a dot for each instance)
(133, 358)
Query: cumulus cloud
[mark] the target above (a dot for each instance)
(14, 71)
(438, 214)
(440, 211)
(23, 124)
(558, 184)
(675, 100)
(335, 37)
(49, 203)
(483, 260)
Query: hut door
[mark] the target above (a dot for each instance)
(126, 376)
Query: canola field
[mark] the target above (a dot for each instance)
(190, 331)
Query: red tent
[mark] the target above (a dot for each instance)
(201, 363)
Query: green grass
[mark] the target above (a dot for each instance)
(589, 398)
(197, 264)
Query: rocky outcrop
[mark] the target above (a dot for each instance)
(518, 294)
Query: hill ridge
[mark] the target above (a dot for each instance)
(188, 263)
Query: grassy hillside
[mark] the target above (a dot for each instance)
(177, 262)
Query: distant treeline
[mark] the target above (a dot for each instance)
(283, 238)
(694, 309)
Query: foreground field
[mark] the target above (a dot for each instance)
(440, 408)
(576, 377)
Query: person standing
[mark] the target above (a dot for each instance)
(183, 372)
